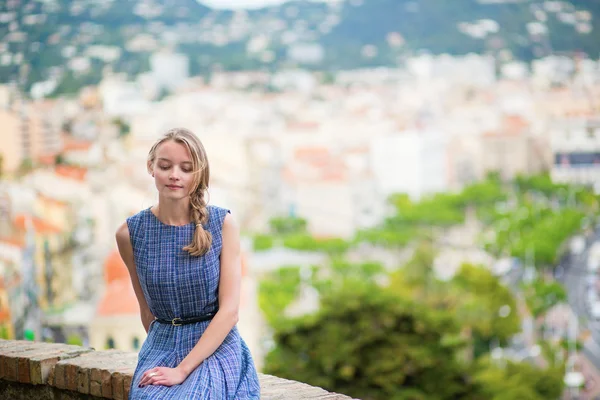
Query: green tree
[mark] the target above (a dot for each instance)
(485, 306)
(541, 295)
(75, 340)
(287, 225)
(277, 291)
(26, 166)
(387, 237)
(124, 128)
(417, 277)
(59, 159)
(513, 380)
(372, 344)
(262, 242)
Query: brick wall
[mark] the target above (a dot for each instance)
(44, 371)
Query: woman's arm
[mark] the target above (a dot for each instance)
(126, 251)
(229, 300)
(223, 321)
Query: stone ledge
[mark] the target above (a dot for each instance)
(44, 371)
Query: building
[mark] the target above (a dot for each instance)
(117, 323)
(31, 132)
(169, 70)
(11, 147)
(414, 162)
(575, 146)
(51, 264)
(320, 186)
(512, 150)
(11, 303)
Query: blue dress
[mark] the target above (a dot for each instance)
(176, 284)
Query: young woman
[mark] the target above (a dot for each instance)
(183, 257)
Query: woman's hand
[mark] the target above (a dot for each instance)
(163, 376)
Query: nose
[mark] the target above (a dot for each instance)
(174, 176)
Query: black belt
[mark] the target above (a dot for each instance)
(185, 321)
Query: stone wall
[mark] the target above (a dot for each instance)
(44, 371)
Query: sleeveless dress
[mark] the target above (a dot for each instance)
(176, 284)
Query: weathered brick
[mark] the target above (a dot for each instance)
(59, 376)
(117, 386)
(127, 384)
(41, 367)
(83, 379)
(10, 368)
(24, 375)
(108, 374)
(106, 384)
(70, 376)
(95, 388)
(26, 368)
(8, 358)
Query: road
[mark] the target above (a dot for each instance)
(573, 273)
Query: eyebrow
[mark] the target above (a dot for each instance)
(166, 159)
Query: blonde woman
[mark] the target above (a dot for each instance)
(183, 257)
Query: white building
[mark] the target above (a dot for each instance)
(121, 98)
(170, 70)
(471, 69)
(576, 151)
(412, 162)
(553, 69)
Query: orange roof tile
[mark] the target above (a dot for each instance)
(52, 200)
(118, 299)
(302, 126)
(317, 156)
(40, 225)
(47, 159)
(74, 144)
(13, 241)
(4, 316)
(69, 171)
(358, 150)
(114, 268)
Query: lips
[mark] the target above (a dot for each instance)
(173, 187)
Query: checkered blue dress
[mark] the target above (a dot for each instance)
(176, 284)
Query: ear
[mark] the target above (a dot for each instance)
(150, 169)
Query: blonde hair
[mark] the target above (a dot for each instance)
(202, 238)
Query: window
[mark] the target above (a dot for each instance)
(110, 343)
(136, 343)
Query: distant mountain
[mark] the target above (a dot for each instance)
(58, 39)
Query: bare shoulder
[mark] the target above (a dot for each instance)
(122, 236)
(231, 233)
(230, 224)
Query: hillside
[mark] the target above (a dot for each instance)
(64, 40)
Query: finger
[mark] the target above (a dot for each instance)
(146, 377)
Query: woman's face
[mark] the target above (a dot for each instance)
(173, 170)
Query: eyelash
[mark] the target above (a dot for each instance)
(166, 168)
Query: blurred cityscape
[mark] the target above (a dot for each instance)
(447, 182)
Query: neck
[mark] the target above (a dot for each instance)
(173, 212)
